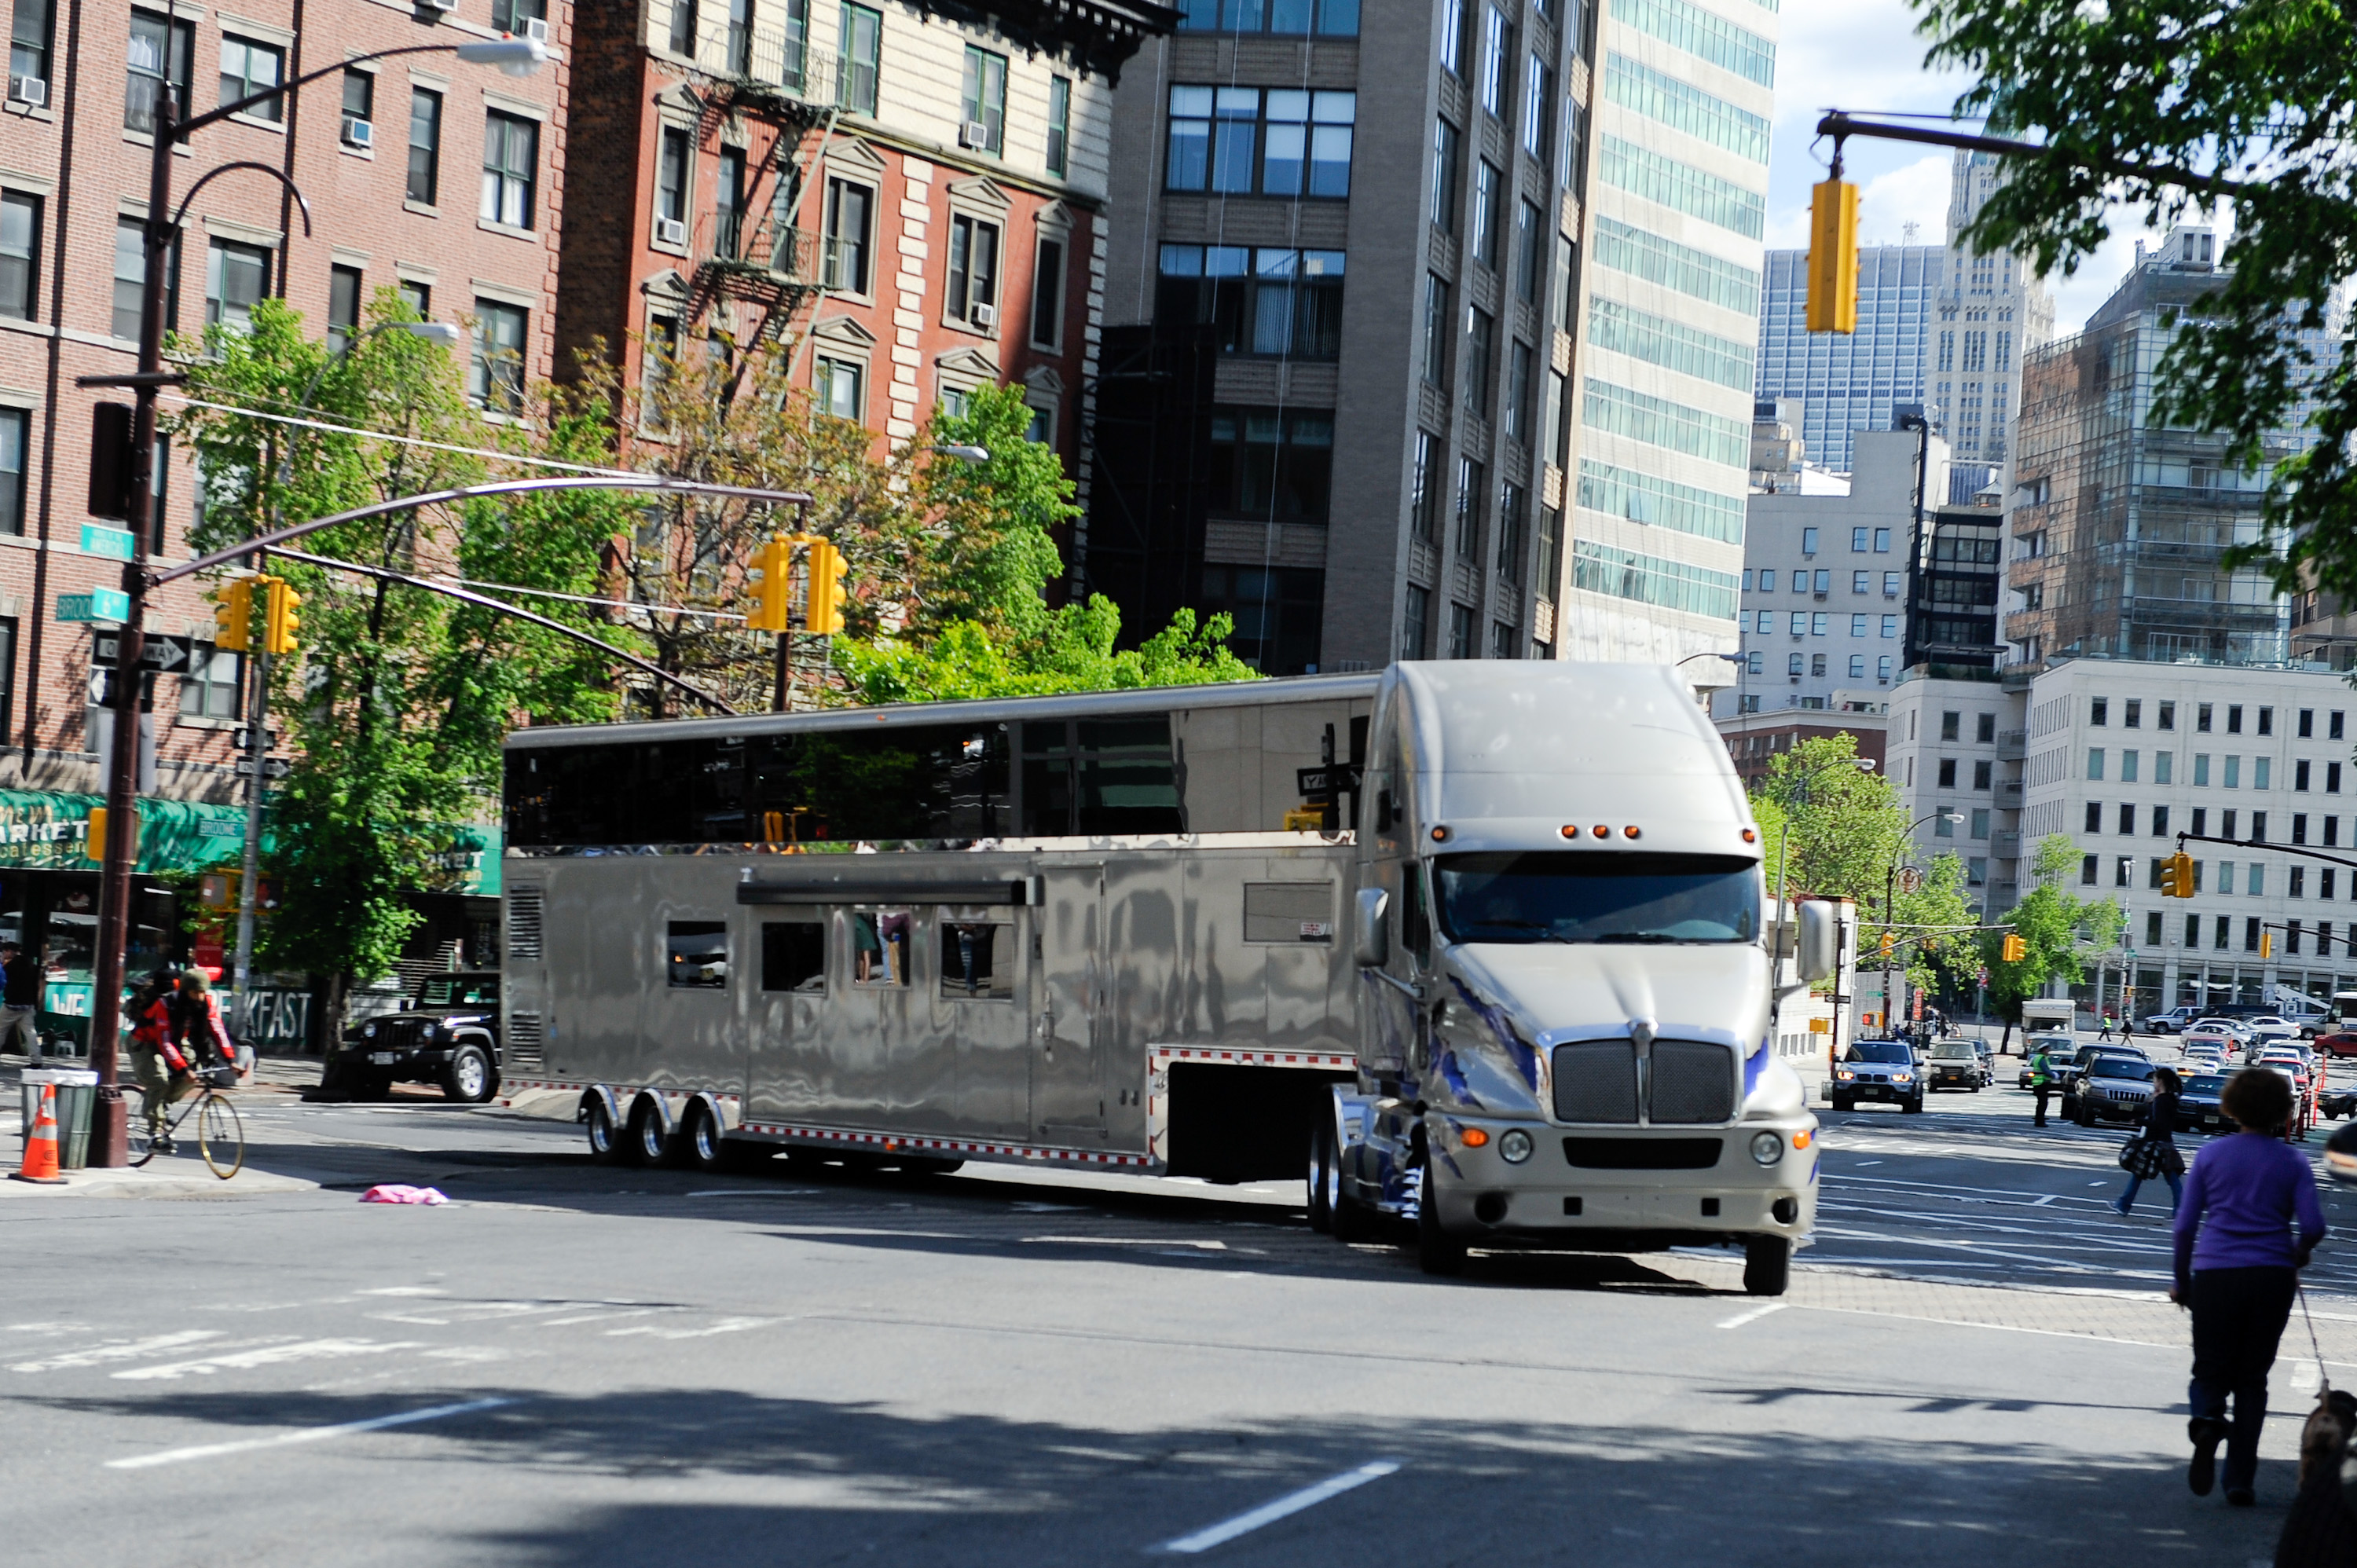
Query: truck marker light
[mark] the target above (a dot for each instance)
(1600, 830)
(1475, 1138)
(1750, 836)
(1571, 830)
(1440, 833)
(1803, 1138)
(1628, 833)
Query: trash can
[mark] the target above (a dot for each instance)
(77, 1092)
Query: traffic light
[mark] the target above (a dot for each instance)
(279, 622)
(2177, 876)
(2014, 949)
(233, 617)
(94, 846)
(772, 576)
(827, 593)
(1833, 257)
(1889, 944)
(2267, 945)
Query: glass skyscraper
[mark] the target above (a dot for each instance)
(1848, 383)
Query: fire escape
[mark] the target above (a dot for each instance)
(749, 255)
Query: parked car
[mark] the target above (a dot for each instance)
(2303, 1086)
(447, 1034)
(2204, 1055)
(1877, 1070)
(2111, 1089)
(2271, 1026)
(1954, 1064)
(2196, 1104)
(2171, 1022)
(2337, 1043)
(2223, 1032)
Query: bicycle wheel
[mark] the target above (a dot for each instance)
(221, 1135)
(139, 1146)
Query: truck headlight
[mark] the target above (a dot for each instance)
(1514, 1147)
(1767, 1148)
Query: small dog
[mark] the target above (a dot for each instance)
(2320, 1532)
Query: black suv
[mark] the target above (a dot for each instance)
(448, 1033)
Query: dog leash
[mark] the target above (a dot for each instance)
(2324, 1380)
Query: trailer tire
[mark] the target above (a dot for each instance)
(605, 1138)
(1322, 1176)
(648, 1144)
(1767, 1265)
(701, 1147)
(1437, 1251)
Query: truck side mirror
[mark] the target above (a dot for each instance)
(1371, 939)
(1813, 955)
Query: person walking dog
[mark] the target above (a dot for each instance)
(2237, 1269)
(2153, 1151)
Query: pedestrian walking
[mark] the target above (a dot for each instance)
(2041, 1080)
(2237, 1269)
(23, 980)
(2153, 1151)
(2105, 1032)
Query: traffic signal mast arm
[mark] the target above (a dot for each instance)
(2300, 850)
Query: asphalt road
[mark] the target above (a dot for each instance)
(576, 1363)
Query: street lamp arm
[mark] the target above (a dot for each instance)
(656, 483)
(183, 129)
(302, 204)
(466, 597)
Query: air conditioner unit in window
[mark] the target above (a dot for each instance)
(669, 231)
(360, 133)
(974, 134)
(985, 317)
(28, 90)
(536, 29)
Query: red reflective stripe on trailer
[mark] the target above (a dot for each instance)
(945, 1145)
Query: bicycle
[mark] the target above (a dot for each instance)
(220, 1131)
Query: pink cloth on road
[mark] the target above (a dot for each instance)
(394, 1192)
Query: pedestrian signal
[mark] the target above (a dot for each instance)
(280, 624)
(2177, 876)
(772, 576)
(2014, 950)
(1833, 257)
(827, 593)
(233, 617)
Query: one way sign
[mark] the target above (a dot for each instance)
(169, 654)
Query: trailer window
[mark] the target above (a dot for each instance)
(699, 955)
(879, 948)
(977, 959)
(793, 955)
(1579, 896)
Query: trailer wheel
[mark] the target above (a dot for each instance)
(701, 1147)
(605, 1138)
(1437, 1251)
(1322, 1176)
(1767, 1265)
(648, 1144)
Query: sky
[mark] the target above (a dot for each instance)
(1864, 56)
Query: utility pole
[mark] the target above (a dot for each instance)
(248, 889)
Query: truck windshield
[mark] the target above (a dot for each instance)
(1555, 896)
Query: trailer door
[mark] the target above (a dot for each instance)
(1067, 1003)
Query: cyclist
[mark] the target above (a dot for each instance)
(198, 1027)
(155, 1061)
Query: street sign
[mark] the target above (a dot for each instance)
(169, 654)
(116, 544)
(271, 767)
(99, 604)
(243, 739)
(1324, 782)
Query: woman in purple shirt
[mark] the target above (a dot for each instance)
(2236, 1265)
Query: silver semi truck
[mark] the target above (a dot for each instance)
(1477, 946)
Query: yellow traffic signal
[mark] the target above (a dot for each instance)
(233, 617)
(2177, 876)
(2014, 950)
(827, 593)
(2267, 945)
(94, 846)
(772, 576)
(280, 624)
(1833, 257)
(1889, 944)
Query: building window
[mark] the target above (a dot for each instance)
(1279, 614)
(29, 32)
(1424, 494)
(1329, 18)
(1550, 562)
(684, 27)
(359, 108)
(1522, 363)
(511, 15)
(1481, 334)
(344, 307)
(20, 245)
(1471, 477)
(510, 162)
(671, 184)
(425, 146)
(972, 296)
(1416, 622)
(982, 106)
(863, 49)
(1271, 465)
(1289, 303)
(1460, 632)
(15, 426)
(1497, 47)
(1238, 140)
(1059, 125)
(739, 45)
(1512, 503)
(235, 276)
(1435, 330)
(1443, 191)
(131, 277)
(1882, 669)
(495, 374)
(159, 48)
(1538, 95)
(1530, 251)
(417, 298)
(728, 206)
(1048, 295)
(837, 389)
(214, 687)
(1452, 37)
(849, 218)
(248, 68)
(1489, 197)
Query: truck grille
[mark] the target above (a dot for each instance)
(1642, 1154)
(1692, 1082)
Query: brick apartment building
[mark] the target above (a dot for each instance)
(443, 178)
(910, 195)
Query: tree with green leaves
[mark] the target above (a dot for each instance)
(2177, 107)
(2056, 928)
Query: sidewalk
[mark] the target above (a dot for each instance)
(169, 1176)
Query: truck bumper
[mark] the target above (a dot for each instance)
(1560, 1193)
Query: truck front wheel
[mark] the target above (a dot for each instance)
(1767, 1265)
(1320, 1175)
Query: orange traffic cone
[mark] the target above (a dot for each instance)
(41, 1143)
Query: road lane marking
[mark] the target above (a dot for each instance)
(757, 1192)
(2047, 1200)
(268, 1356)
(308, 1435)
(1757, 1313)
(119, 1350)
(726, 1326)
(1283, 1507)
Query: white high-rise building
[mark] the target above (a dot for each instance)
(1992, 312)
